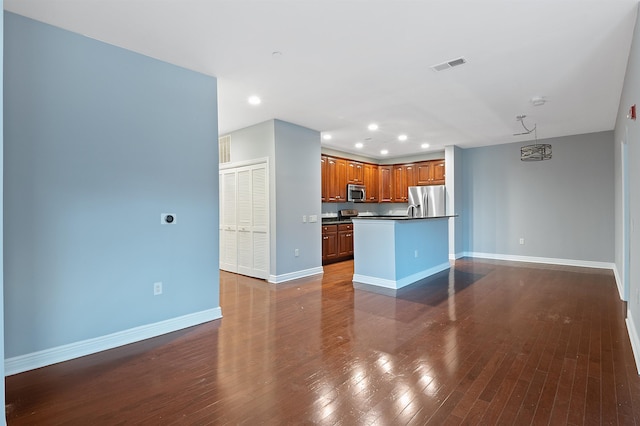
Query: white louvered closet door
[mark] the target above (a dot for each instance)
(252, 221)
(245, 223)
(228, 226)
(260, 212)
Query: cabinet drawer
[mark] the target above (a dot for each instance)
(345, 227)
(327, 229)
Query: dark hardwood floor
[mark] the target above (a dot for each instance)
(484, 343)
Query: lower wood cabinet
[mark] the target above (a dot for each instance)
(329, 243)
(345, 240)
(337, 242)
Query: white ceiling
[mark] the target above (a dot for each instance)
(344, 64)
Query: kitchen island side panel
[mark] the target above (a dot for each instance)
(391, 253)
(420, 246)
(373, 249)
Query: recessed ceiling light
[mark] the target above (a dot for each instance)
(359, 145)
(327, 137)
(373, 126)
(254, 100)
(402, 138)
(424, 145)
(384, 152)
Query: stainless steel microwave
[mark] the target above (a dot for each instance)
(356, 193)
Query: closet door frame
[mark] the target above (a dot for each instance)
(251, 205)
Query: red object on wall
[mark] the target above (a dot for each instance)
(632, 112)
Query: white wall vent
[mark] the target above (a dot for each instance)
(224, 149)
(449, 64)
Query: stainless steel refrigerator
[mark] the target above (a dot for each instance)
(427, 201)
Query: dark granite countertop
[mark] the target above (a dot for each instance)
(334, 221)
(403, 217)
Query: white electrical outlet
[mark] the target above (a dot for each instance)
(157, 288)
(313, 218)
(521, 241)
(296, 253)
(304, 218)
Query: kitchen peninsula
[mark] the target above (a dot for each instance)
(393, 252)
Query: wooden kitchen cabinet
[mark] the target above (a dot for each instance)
(329, 243)
(385, 183)
(430, 172)
(337, 242)
(371, 182)
(345, 240)
(355, 172)
(336, 180)
(403, 178)
(438, 172)
(323, 178)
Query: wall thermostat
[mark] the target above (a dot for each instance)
(168, 219)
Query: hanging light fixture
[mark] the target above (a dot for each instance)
(536, 151)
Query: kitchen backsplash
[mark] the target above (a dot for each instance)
(364, 209)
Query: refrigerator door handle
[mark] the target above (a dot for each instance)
(425, 204)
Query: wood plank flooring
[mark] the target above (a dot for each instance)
(486, 343)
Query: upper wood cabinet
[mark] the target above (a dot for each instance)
(385, 184)
(323, 177)
(335, 180)
(341, 180)
(355, 172)
(371, 182)
(430, 172)
(403, 178)
(438, 172)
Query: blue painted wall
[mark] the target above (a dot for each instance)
(2, 391)
(297, 193)
(563, 207)
(99, 141)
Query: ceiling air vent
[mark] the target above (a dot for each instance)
(449, 64)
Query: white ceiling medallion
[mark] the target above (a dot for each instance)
(538, 100)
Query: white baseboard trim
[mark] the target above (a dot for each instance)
(455, 256)
(618, 282)
(277, 279)
(635, 340)
(547, 260)
(403, 282)
(62, 353)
